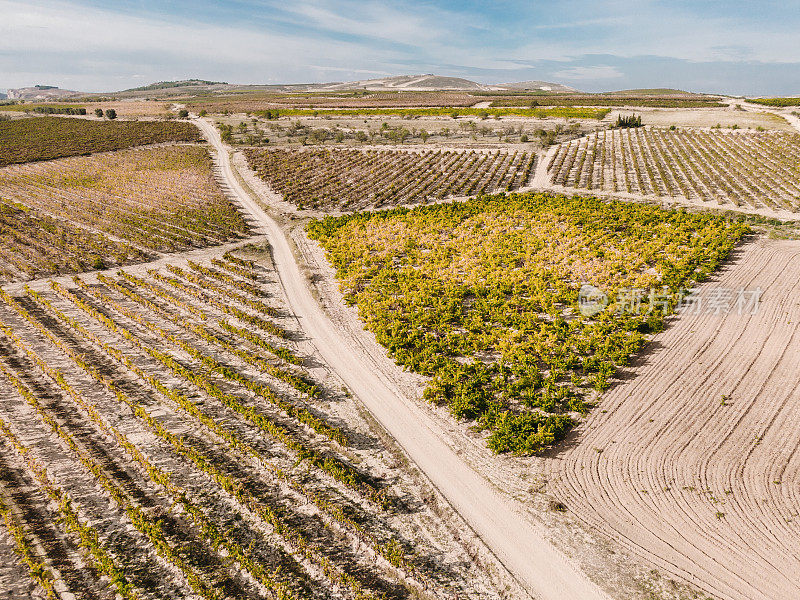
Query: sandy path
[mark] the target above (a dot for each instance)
(517, 542)
(706, 487)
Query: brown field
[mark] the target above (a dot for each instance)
(133, 108)
(260, 101)
(693, 462)
(685, 117)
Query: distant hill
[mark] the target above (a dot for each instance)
(406, 83)
(40, 92)
(164, 85)
(652, 92)
(536, 86)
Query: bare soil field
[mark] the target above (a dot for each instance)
(133, 108)
(686, 117)
(693, 462)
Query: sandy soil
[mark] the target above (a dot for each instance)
(132, 108)
(519, 544)
(693, 462)
(705, 117)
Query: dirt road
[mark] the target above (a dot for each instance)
(694, 462)
(517, 542)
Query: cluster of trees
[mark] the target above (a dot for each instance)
(628, 121)
(59, 110)
(109, 113)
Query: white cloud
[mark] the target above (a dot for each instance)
(63, 42)
(370, 19)
(589, 73)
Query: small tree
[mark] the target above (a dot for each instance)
(111, 114)
(183, 113)
(203, 112)
(98, 112)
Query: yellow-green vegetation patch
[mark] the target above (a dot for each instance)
(483, 297)
(778, 102)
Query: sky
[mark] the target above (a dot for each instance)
(747, 47)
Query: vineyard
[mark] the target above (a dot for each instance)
(606, 100)
(565, 112)
(258, 101)
(355, 179)
(741, 169)
(160, 199)
(46, 138)
(776, 102)
(161, 436)
(482, 297)
(34, 245)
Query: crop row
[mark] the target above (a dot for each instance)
(34, 245)
(565, 112)
(46, 138)
(757, 170)
(605, 100)
(162, 199)
(255, 405)
(350, 179)
(482, 296)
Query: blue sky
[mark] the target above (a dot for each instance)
(739, 47)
